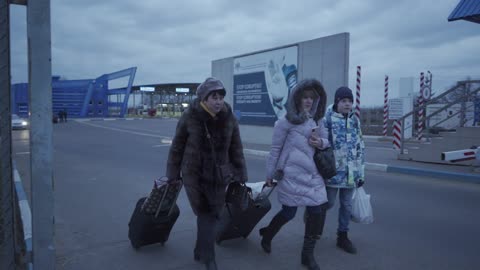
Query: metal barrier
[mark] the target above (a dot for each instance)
(462, 155)
(466, 93)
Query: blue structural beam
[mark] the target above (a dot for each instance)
(87, 99)
(69, 95)
(468, 10)
(126, 92)
(119, 91)
(96, 100)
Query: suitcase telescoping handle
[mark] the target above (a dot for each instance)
(274, 184)
(178, 182)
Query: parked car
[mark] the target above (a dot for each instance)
(19, 123)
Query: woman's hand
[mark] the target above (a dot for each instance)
(269, 182)
(315, 141)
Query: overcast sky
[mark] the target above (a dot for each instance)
(175, 41)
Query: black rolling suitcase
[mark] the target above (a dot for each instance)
(154, 216)
(235, 223)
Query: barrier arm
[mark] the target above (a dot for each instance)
(462, 155)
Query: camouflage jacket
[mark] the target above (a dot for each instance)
(345, 136)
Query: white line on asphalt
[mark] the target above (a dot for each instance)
(375, 167)
(22, 153)
(161, 145)
(127, 131)
(255, 152)
(380, 148)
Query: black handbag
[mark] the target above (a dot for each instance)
(325, 159)
(325, 162)
(239, 195)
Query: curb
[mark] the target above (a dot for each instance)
(25, 214)
(464, 177)
(105, 119)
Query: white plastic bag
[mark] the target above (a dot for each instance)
(256, 188)
(361, 207)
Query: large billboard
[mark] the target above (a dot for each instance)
(262, 83)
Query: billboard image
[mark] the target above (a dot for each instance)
(262, 83)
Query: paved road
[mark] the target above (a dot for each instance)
(102, 168)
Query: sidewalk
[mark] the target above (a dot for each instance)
(385, 160)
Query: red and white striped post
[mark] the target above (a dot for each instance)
(420, 112)
(397, 135)
(357, 99)
(385, 107)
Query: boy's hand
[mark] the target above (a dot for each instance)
(360, 183)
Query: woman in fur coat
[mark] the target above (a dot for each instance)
(207, 135)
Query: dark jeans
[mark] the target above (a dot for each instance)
(289, 212)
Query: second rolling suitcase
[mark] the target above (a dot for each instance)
(235, 223)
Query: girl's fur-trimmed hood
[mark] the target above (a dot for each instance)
(294, 113)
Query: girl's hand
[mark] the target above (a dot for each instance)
(315, 142)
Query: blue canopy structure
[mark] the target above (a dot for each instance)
(468, 10)
(81, 98)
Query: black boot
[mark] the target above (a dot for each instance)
(308, 259)
(305, 217)
(313, 229)
(344, 243)
(271, 230)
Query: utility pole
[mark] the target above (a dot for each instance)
(41, 142)
(7, 197)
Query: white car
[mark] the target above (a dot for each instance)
(19, 123)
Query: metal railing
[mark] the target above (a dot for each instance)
(462, 99)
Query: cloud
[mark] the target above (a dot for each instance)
(176, 41)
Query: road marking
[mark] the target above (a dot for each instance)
(165, 142)
(22, 153)
(379, 148)
(127, 131)
(255, 152)
(161, 145)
